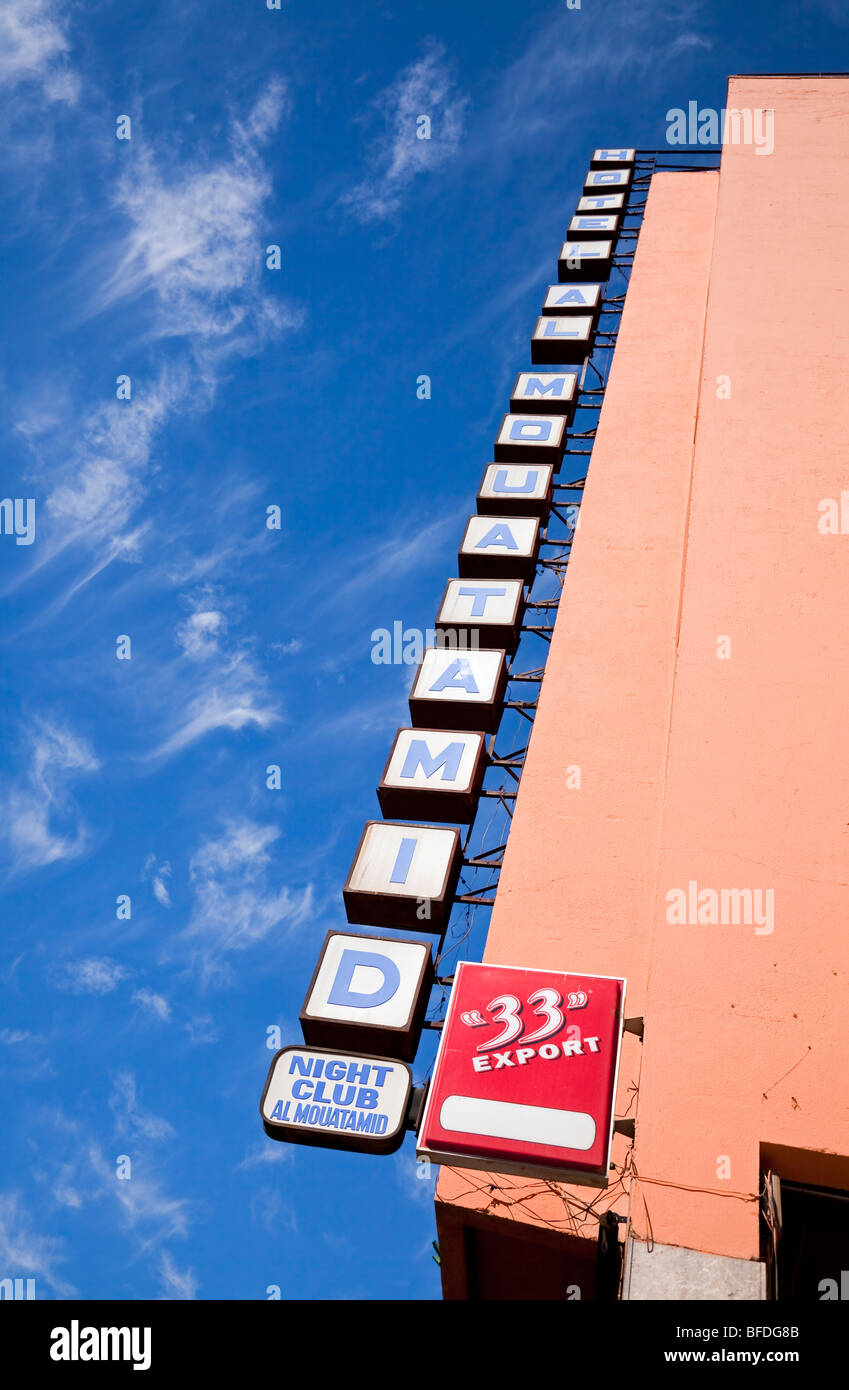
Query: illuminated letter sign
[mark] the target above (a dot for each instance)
(459, 689)
(612, 159)
(523, 487)
(602, 202)
(368, 993)
(525, 1076)
(490, 607)
(499, 545)
(594, 224)
(403, 876)
(579, 259)
(545, 393)
(562, 339)
(315, 1096)
(535, 438)
(607, 180)
(573, 299)
(433, 774)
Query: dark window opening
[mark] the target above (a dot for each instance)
(807, 1241)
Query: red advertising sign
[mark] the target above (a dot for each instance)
(525, 1076)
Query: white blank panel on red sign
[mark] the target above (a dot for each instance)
(525, 1076)
(459, 689)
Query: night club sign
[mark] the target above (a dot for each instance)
(525, 1075)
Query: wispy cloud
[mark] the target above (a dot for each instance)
(270, 1152)
(195, 244)
(233, 695)
(236, 905)
(86, 1175)
(271, 1212)
(192, 264)
(570, 63)
(178, 1284)
(131, 1118)
(152, 1003)
(148, 1213)
(34, 49)
(25, 1254)
(41, 823)
(157, 873)
(398, 156)
(198, 635)
(201, 1030)
(96, 975)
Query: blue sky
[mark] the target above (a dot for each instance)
(253, 388)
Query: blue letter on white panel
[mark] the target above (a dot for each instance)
(457, 676)
(341, 992)
(535, 386)
(501, 484)
(530, 429)
(403, 861)
(499, 534)
(419, 756)
(480, 596)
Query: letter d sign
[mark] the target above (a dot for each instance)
(380, 969)
(368, 994)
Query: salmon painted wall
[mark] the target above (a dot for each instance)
(747, 1040)
(578, 885)
(699, 679)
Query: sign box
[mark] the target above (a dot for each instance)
(594, 224)
(525, 1076)
(336, 1101)
(532, 438)
(612, 159)
(522, 488)
(403, 876)
(545, 393)
(578, 259)
(505, 545)
(492, 608)
(459, 689)
(368, 994)
(558, 339)
(573, 298)
(607, 180)
(433, 774)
